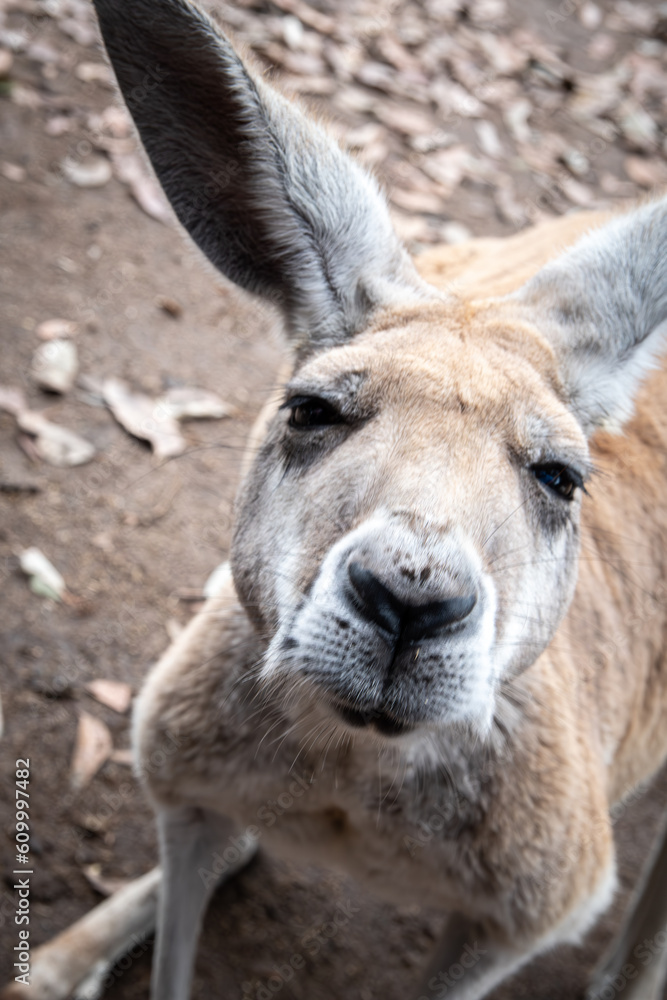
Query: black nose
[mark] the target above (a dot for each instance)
(411, 622)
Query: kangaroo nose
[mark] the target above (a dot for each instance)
(411, 622)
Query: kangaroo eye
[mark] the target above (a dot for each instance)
(310, 411)
(559, 479)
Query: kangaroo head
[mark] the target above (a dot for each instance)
(408, 535)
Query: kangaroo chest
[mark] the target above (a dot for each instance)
(388, 822)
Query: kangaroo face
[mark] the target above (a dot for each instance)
(408, 535)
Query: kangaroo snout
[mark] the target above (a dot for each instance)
(402, 618)
(405, 621)
(395, 630)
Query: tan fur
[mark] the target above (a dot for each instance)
(441, 658)
(618, 613)
(514, 832)
(492, 266)
(536, 843)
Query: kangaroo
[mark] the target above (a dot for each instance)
(446, 604)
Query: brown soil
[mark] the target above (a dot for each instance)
(129, 534)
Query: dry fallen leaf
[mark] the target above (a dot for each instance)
(299, 63)
(6, 60)
(313, 18)
(489, 140)
(454, 100)
(407, 119)
(364, 135)
(91, 172)
(550, 153)
(42, 52)
(646, 173)
(418, 201)
(317, 86)
(94, 72)
(432, 141)
(509, 207)
(184, 402)
(102, 884)
(629, 15)
(591, 16)
(53, 443)
(397, 55)
(516, 117)
(144, 417)
(56, 329)
(354, 99)
(505, 57)
(637, 125)
(598, 94)
(447, 167)
(618, 189)
(579, 194)
(114, 120)
(487, 11)
(83, 33)
(93, 748)
(379, 76)
(130, 169)
(466, 71)
(601, 47)
(12, 399)
(26, 97)
(59, 125)
(45, 580)
(13, 172)
(648, 77)
(374, 153)
(114, 694)
(576, 161)
(292, 31)
(55, 365)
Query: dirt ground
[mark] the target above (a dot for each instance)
(567, 109)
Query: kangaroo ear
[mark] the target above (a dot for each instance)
(603, 306)
(264, 192)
